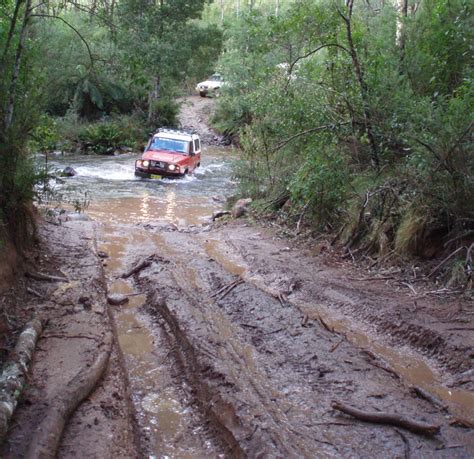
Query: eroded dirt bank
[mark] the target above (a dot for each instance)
(77, 323)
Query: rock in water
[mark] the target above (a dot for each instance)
(69, 172)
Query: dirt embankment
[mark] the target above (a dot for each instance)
(195, 114)
(76, 325)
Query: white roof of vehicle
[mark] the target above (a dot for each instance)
(175, 134)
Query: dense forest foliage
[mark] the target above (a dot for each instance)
(353, 117)
(89, 76)
(357, 117)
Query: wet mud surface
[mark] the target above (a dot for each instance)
(270, 369)
(235, 341)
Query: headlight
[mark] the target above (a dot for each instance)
(171, 167)
(145, 163)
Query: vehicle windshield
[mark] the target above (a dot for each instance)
(160, 143)
(215, 77)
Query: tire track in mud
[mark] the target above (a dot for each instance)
(266, 375)
(167, 422)
(202, 365)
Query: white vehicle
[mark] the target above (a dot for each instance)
(211, 86)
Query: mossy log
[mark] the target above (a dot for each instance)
(12, 379)
(47, 436)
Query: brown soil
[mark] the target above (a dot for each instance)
(195, 113)
(257, 333)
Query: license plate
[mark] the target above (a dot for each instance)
(154, 176)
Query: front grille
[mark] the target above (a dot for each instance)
(158, 164)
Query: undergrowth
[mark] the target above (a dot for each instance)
(365, 139)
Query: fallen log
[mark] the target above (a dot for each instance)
(12, 379)
(387, 418)
(46, 438)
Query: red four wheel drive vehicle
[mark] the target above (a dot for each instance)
(169, 153)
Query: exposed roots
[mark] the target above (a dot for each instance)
(47, 436)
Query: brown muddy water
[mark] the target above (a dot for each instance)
(123, 206)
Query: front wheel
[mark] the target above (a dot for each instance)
(202, 93)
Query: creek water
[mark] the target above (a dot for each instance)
(122, 205)
(114, 194)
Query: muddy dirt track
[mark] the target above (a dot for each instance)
(235, 340)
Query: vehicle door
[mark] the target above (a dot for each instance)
(197, 152)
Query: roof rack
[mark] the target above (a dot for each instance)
(175, 131)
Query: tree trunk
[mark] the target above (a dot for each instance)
(11, 31)
(14, 372)
(402, 7)
(362, 86)
(153, 97)
(16, 68)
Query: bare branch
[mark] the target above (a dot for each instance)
(459, 140)
(73, 28)
(309, 53)
(309, 131)
(429, 148)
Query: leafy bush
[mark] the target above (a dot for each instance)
(165, 111)
(101, 138)
(45, 136)
(321, 184)
(370, 132)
